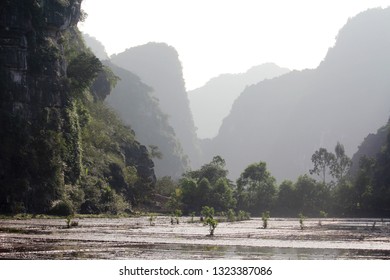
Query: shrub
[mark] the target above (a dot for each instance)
(178, 214)
(212, 223)
(242, 215)
(207, 212)
(62, 208)
(323, 214)
(265, 217)
(301, 220)
(192, 216)
(152, 218)
(231, 215)
(70, 223)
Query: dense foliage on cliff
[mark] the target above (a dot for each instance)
(62, 150)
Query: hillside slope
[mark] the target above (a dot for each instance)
(284, 120)
(211, 103)
(158, 66)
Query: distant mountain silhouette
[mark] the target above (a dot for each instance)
(158, 65)
(284, 120)
(211, 103)
(132, 100)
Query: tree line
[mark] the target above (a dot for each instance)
(333, 190)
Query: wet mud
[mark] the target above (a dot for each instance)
(137, 238)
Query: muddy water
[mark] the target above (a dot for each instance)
(136, 238)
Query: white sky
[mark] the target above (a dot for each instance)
(225, 36)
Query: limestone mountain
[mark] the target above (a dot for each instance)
(158, 66)
(284, 120)
(211, 103)
(62, 150)
(134, 103)
(132, 99)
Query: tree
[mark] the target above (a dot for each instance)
(363, 185)
(286, 203)
(208, 186)
(311, 196)
(203, 192)
(322, 160)
(340, 164)
(222, 195)
(166, 186)
(189, 197)
(256, 188)
(211, 171)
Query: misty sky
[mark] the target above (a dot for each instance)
(225, 36)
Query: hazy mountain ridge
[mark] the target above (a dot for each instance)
(132, 100)
(284, 120)
(158, 66)
(138, 106)
(211, 103)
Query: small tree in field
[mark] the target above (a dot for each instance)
(208, 213)
(265, 217)
(212, 223)
(323, 215)
(301, 220)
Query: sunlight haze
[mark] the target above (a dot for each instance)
(215, 37)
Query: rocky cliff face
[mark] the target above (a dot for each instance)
(32, 62)
(33, 100)
(44, 116)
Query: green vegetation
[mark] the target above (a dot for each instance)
(70, 222)
(208, 214)
(212, 223)
(243, 215)
(301, 221)
(231, 215)
(265, 217)
(134, 102)
(177, 214)
(323, 215)
(256, 189)
(65, 152)
(207, 186)
(152, 219)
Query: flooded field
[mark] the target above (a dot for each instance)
(136, 238)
